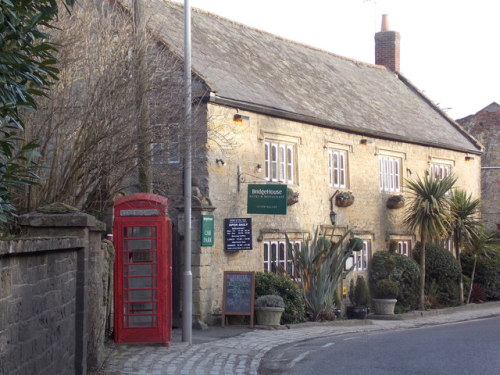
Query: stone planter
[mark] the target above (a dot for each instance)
(384, 306)
(356, 312)
(269, 316)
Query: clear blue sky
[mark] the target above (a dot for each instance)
(450, 49)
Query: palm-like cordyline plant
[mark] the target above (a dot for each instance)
(484, 242)
(463, 224)
(428, 214)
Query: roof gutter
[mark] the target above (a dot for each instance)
(213, 98)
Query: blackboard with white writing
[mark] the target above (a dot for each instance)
(238, 295)
(237, 234)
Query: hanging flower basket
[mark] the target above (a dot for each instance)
(292, 197)
(344, 199)
(395, 202)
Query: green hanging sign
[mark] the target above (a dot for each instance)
(267, 199)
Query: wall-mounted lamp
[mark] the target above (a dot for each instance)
(333, 217)
(365, 141)
(220, 162)
(239, 118)
(258, 168)
(468, 158)
(333, 214)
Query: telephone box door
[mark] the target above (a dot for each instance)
(142, 238)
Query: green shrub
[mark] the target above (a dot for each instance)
(356, 244)
(270, 283)
(269, 300)
(387, 289)
(359, 294)
(400, 269)
(393, 246)
(442, 269)
(487, 273)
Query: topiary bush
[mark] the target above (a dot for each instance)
(442, 269)
(400, 269)
(487, 273)
(270, 283)
(386, 289)
(359, 294)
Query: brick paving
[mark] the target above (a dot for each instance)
(242, 354)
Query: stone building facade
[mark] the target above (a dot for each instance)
(272, 111)
(485, 126)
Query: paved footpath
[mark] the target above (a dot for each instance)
(242, 354)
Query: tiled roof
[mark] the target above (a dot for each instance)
(246, 65)
(493, 107)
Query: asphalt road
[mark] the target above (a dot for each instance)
(466, 348)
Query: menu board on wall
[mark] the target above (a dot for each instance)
(237, 234)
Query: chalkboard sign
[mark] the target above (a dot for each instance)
(237, 234)
(238, 295)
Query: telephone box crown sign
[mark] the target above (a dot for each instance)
(141, 204)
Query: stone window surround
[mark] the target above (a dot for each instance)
(276, 256)
(404, 246)
(338, 168)
(390, 168)
(280, 158)
(440, 168)
(361, 260)
(172, 148)
(157, 151)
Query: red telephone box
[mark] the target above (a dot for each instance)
(142, 236)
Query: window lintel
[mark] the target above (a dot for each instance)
(396, 154)
(338, 146)
(269, 136)
(433, 160)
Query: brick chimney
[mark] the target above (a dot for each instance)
(387, 46)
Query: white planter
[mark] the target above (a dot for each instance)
(269, 316)
(384, 306)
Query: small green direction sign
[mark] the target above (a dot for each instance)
(267, 199)
(207, 230)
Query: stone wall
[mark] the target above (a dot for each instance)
(368, 217)
(44, 296)
(485, 126)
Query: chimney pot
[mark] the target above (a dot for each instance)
(387, 46)
(385, 23)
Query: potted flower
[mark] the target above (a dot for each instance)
(344, 199)
(269, 309)
(359, 296)
(386, 292)
(395, 201)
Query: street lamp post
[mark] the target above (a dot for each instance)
(187, 305)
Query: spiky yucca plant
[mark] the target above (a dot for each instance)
(428, 213)
(319, 263)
